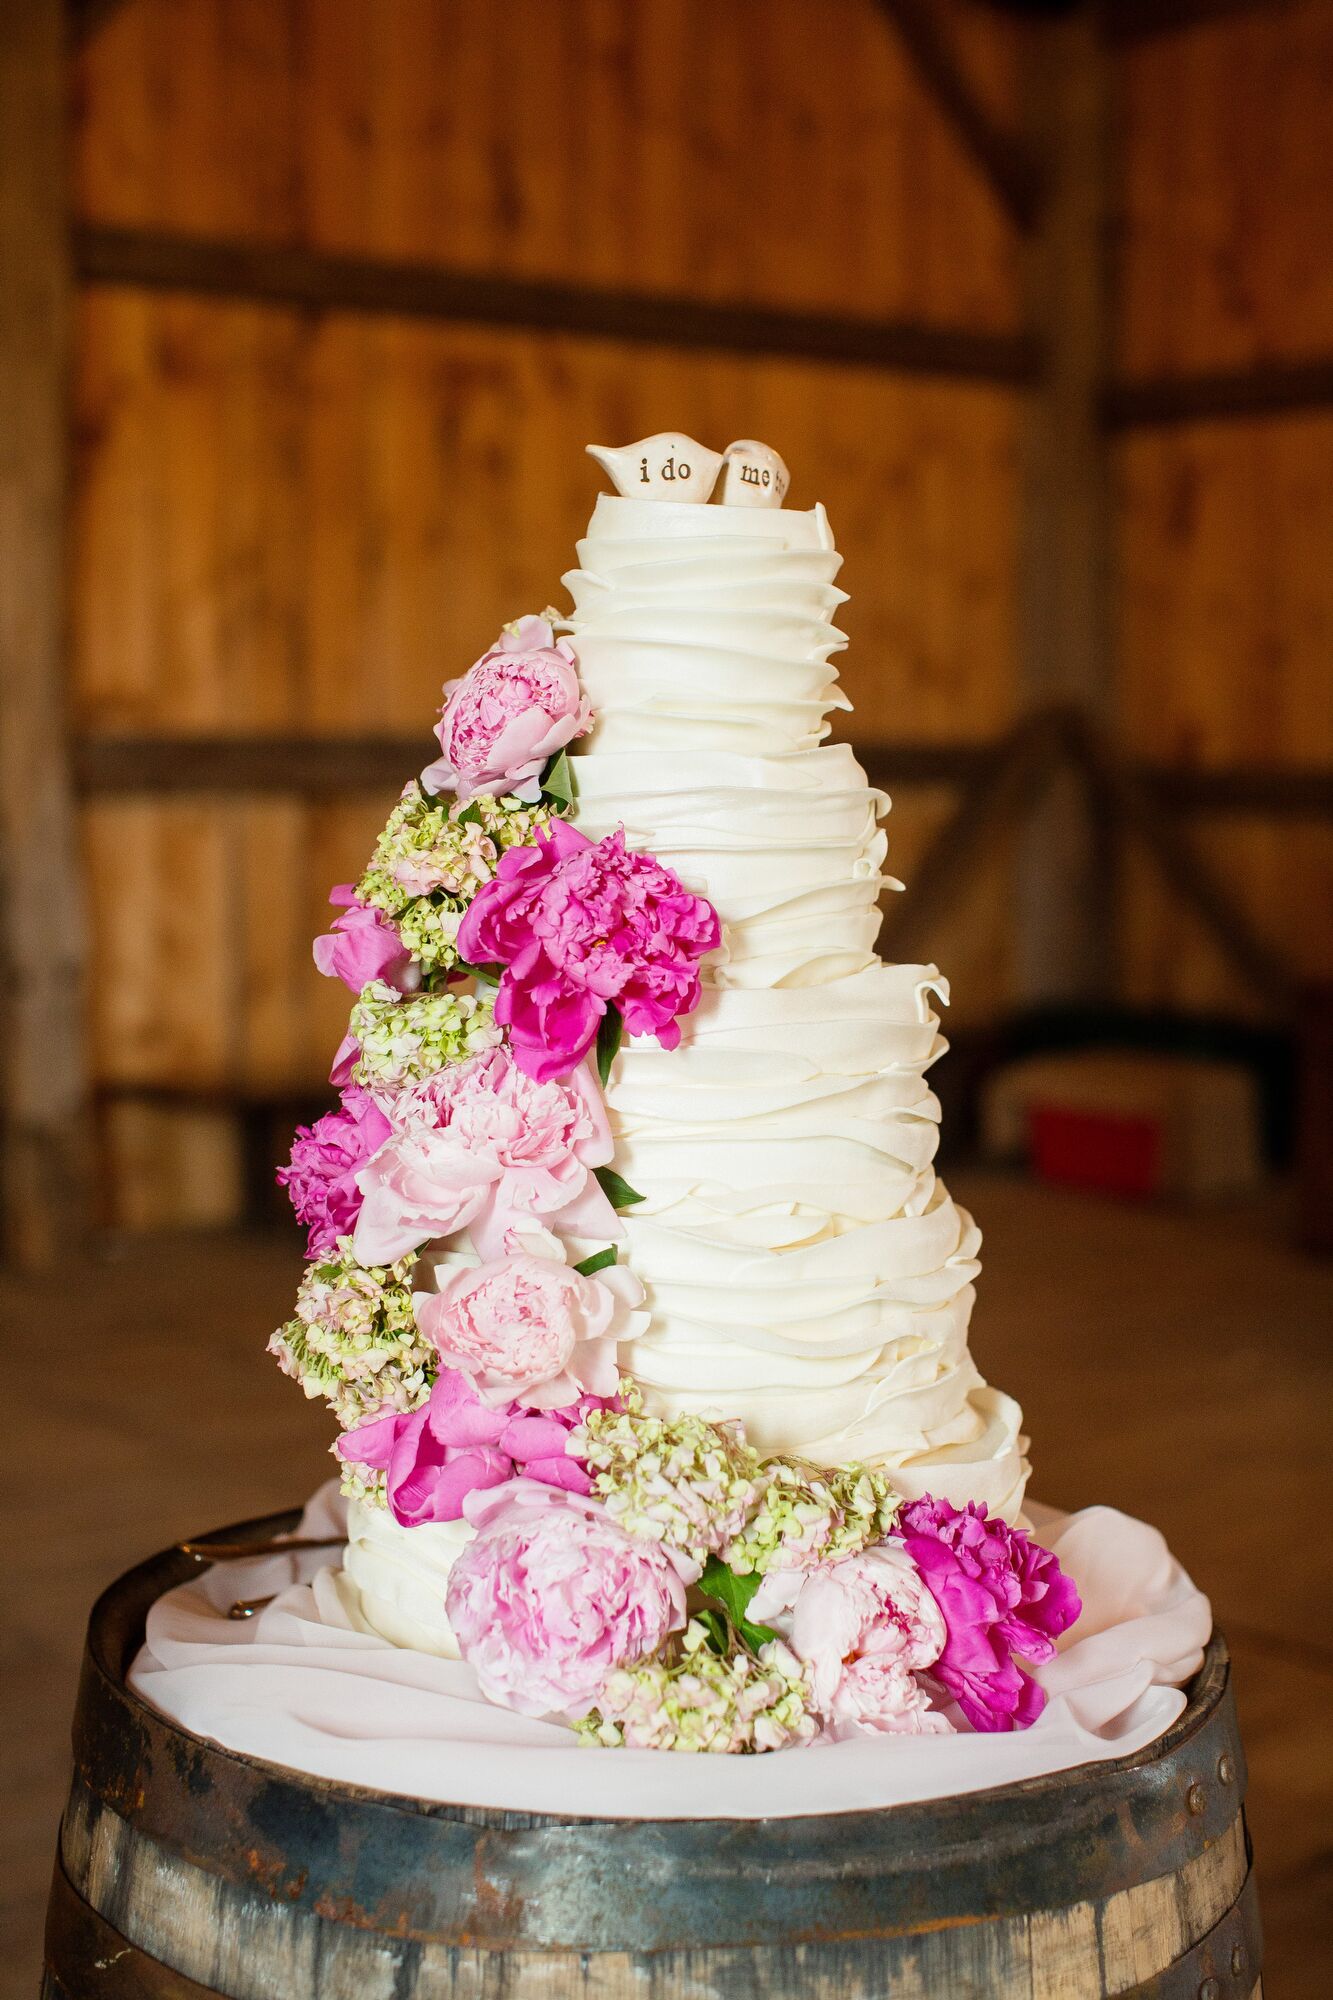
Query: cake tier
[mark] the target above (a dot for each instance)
(394, 1578)
(806, 1271)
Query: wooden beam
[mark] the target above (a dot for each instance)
(318, 281)
(1007, 167)
(1301, 791)
(1275, 389)
(1065, 932)
(1140, 20)
(88, 17)
(1130, 807)
(1012, 789)
(338, 767)
(43, 1096)
(313, 767)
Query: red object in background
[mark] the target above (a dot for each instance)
(1116, 1154)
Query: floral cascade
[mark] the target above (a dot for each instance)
(656, 1583)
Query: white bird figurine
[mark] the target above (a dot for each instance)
(755, 476)
(668, 466)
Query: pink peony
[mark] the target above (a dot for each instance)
(532, 1330)
(999, 1593)
(511, 711)
(454, 1444)
(482, 1147)
(580, 926)
(552, 1596)
(866, 1626)
(345, 1060)
(363, 945)
(326, 1158)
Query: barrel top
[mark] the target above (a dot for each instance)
(421, 1868)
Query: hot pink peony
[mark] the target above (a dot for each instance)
(579, 926)
(552, 1596)
(455, 1444)
(346, 1057)
(1000, 1594)
(326, 1158)
(511, 711)
(866, 1626)
(363, 945)
(482, 1147)
(532, 1330)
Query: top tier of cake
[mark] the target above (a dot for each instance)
(806, 1270)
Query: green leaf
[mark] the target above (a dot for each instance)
(609, 1037)
(558, 780)
(492, 974)
(597, 1262)
(617, 1191)
(715, 1625)
(733, 1593)
(470, 816)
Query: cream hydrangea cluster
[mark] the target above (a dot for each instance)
(699, 1489)
(681, 1482)
(431, 859)
(807, 1515)
(354, 1339)
(699, 1700)
(405, 1039)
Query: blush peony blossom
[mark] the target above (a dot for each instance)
(511, 711)
(530, 1329)
(866, 1627)
(454, 1444)
(364, 946)
(580, 926)
(1000, 1593)
(321, 1178)
(483, 1147)
(551, 1597)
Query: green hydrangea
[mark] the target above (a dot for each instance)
(702, 1701)
(354, 1339)
(432, 858)
(806, 1515)
(682, 1482)
(407, 1037)
(361, 1482)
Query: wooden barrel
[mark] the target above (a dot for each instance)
(186, 1870)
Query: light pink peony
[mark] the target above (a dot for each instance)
(552, 1596)
(363, 945)
(455, 1444)
(511, 711)
(580, 926)
(326, 1158)
(866, 1626)
(1000, 1593)
(483, 1147)
(531, 1330)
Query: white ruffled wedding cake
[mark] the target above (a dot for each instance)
(805, 1270)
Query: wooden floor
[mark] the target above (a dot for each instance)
(1179, 1368)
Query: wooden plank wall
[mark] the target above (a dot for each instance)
(1226, 527)
(306, 521)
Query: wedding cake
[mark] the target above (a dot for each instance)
(631, 1280)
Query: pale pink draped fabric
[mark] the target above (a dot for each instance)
(300, 1686)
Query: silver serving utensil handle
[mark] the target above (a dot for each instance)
(208, 1552)
(246, 1607)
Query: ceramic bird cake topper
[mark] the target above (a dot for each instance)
(755, 475)
(668, 466)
